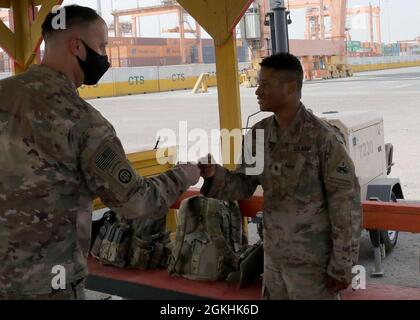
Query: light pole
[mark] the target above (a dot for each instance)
(99, 7)
(389, 22)
(278, 23)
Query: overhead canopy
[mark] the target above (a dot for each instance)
(217, 17)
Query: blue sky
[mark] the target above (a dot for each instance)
(399, 18)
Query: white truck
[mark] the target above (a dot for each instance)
(365, 141)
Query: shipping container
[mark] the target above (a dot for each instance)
(163, 51)
(151, 61)
(209, 55)
(243, 55)
(120, 41)
(208, 42)
(177, 41)
(170, 51)
(143, 51)
(115, 63)
(353, 44)
(150, 41)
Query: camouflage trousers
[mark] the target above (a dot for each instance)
(291, 282)
(73, 291)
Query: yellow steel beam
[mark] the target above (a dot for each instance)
(23, 43)
(7, 39)
(219, 18)
(235, 11)
(229, 98)
(36, 30)
(38, 2)
(5, 4)
(22, 29)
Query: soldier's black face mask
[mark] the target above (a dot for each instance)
(94, 67)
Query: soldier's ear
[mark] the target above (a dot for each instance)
(292, 87)
(76, 47)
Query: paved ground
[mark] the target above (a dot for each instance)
(393, 93)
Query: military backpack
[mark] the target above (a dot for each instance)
(209, 242)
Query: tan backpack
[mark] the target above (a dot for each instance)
(208, 241)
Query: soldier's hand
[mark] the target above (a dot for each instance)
(207, 166)
(192, 171)
(335, 285)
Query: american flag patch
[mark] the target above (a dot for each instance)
(105, 159)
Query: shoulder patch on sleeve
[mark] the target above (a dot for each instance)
(109, 163)
(125, 176)
(341, 175)
(105, 159)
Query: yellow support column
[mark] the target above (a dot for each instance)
(22, 33)
(23, 43)
(229, 98)
(7, 39)
(219, 18)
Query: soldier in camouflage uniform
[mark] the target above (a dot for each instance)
(312, 209)
(57, 155)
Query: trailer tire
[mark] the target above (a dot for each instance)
(389, 238)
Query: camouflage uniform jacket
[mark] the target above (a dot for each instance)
(57, 155)
(312, 209)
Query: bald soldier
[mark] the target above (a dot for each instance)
(57, 155)
(312, 209)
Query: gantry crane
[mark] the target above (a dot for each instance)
(166, 6)
(323, 52)
(315, 27)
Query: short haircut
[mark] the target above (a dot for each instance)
(285, 62)
(75, 16)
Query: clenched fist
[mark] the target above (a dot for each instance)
(192, 172)
(207, 166)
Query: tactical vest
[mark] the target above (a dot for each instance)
(141, 244)
(208, 244)
(111, 243)
(150, 244)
